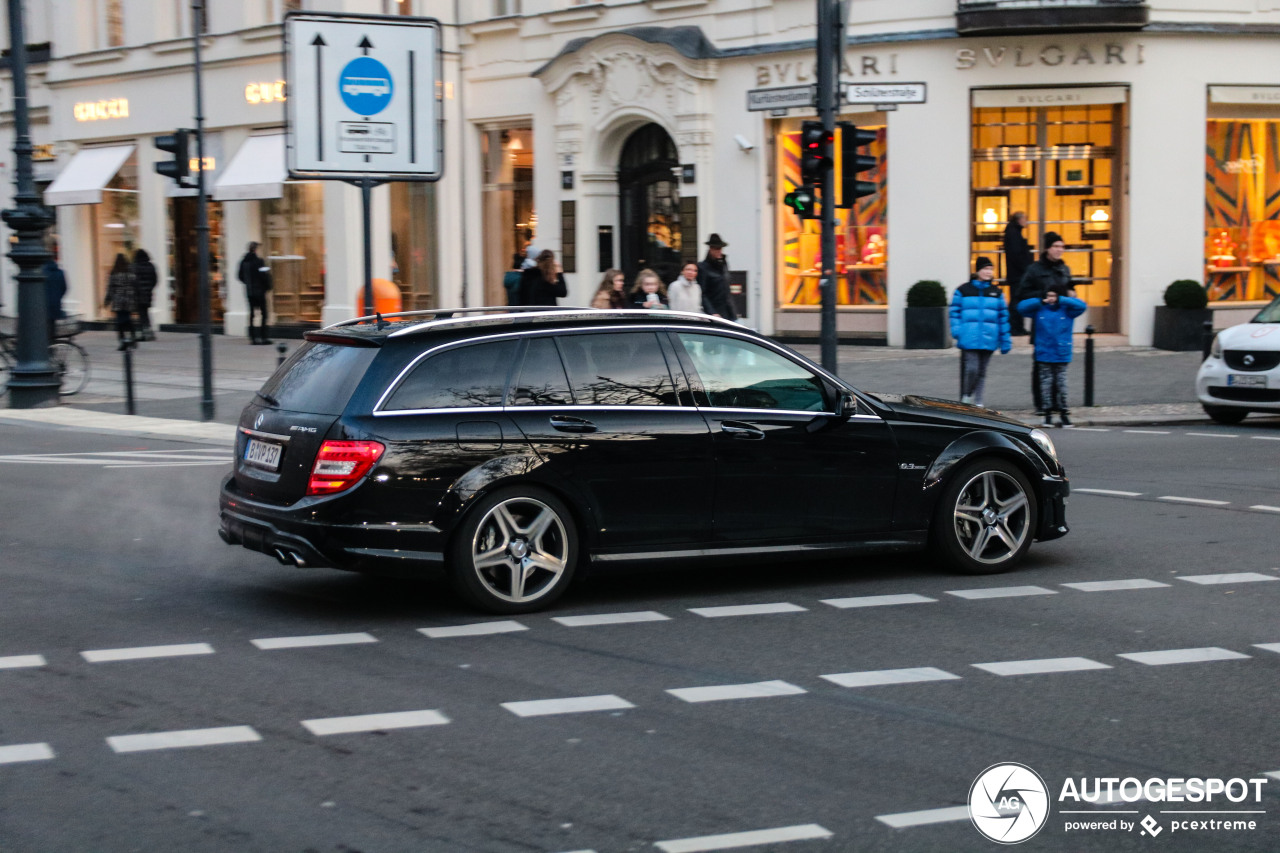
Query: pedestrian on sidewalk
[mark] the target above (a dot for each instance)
(256, 276)
(55, 288)
(612, 292)
(511, 279)
(1017, 257)
(649, 291)
(980, 325)
(1048, 273)
(713, 275)
(542, 283)
(122, 298)
(144, 273)
(685, 293)
(1054, 317)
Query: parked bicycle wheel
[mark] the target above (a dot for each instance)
(72, 364)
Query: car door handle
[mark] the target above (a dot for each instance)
(746, 432)
(566, 424)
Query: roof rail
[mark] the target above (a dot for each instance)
(448, 316)
(440, 313)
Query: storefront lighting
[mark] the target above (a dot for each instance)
(264, 93)
(1099, 215)
(990, 219)
(210, 164)
(113, 225)
(99, 110)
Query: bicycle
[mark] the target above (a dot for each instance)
(70, 360)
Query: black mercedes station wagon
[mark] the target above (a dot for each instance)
(514, 446)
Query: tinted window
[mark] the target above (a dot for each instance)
(542, 379)
(460, 377)
(319, 378)
(618, 369)
(741, 375)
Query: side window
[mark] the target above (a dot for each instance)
(738, 374)
(618, 369)
(542, 380)
(462, 377)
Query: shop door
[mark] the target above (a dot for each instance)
(1061, 167)
(649, 194)
(184, 261)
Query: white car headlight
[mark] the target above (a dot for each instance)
(1042, 440)
(1215, 351)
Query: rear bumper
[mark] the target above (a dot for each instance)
(1053, 508)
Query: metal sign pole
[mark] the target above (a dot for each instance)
(366, 196)
(202, 231)
(829, 38)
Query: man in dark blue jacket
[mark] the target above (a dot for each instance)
(1054, 317)
(979, 324)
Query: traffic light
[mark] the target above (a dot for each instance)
(854, 161)
(804, 201)
(177, 144)
(815, 153)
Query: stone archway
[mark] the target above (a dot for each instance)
(649, 234)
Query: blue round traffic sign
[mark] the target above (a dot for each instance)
(365, 85)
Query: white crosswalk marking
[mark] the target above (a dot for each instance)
(20, 752)
(124, 458)
(1268, 647)
(878, 600)
(902, 820)
(316, 640)
(575, 705)
(478, 629)
(1172, 656)
(1001, 592)
(1112, 492)
(746, 610)
(1265, 508)
(878, 677)
(1197, 501)
(1035, 667)
(375, 722)
(1148, 431)
(610, 619)
(1229, 577)
(183, 739)
(21, 661)
(141, 652)
(718, 693)
(1108, 586)
(734, 840)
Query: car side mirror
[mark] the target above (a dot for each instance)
(846, 405)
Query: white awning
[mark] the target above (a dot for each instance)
(86, 175)
(257, 170)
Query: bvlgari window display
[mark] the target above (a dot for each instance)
(414, 257)
(862, 234)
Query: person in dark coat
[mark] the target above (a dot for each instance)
(1053, 316)
(144, 274)
(1048, 273)
(1017, 257)
(256, 276)
(511, 280)
(980, 325)
(122, 298)
(713, 273)
(55, 287)
(542, 283)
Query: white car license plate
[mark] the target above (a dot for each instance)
(1239, 379)
(262, 454)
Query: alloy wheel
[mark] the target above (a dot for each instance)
(520, 550)
(992, 517)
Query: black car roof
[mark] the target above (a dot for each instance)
(373, 330)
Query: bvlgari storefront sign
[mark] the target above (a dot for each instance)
(1244, 94)
(1053, 55)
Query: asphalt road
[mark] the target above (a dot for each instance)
(114, 548)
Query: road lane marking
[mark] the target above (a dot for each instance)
(1034, 667)
(1274, 774)
(1213, 434)
(721, 692)
(20, 661)
(1265, 437)
(610, 619)
(747, 609)
(20, 752)
(1113, 492)
(1171, 656)
(1199, 501)
(375, 722)
(1148, 431)
(1093, 429)
(878, 677)
(183, 739)
(878, 600)
(903, 820)
(1265, 508)
(1230, 577)
(1269, 647)
(573, 705)
(477, 629)
(1107, 586)
(1001, 592)
(734, 840)
(141, 652)
(314, 640)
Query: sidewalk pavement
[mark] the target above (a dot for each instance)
(1134, 385)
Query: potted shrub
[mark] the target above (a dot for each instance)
(927, 326)
(1180, 321)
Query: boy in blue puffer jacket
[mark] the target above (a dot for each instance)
(1054, 316)
(979, 324)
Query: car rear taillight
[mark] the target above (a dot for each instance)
(341, 464)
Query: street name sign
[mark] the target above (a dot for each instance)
(884, 93)
(781, 97)
(364, 97)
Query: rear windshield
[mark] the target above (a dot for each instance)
(318, 378)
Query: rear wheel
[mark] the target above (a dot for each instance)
(515, 551)
(1225, 415)
(986, 518)
(71, 363)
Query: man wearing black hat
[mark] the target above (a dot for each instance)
(1048, 273)
(713, 275)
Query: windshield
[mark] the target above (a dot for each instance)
(1270, 314)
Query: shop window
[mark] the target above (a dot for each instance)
(862, 234)
(510, 222)
(413, 245)
(293, 246)
(116, 226)
(1242, 209)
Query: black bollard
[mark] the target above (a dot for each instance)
(1088, 365)
(1206, 341)
(282, 353)
(129, 406)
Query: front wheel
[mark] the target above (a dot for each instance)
(986, 518)
(71, 363)
(515, 551)
(1225, 415)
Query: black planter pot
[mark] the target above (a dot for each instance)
(927, 328)
(1180, 329)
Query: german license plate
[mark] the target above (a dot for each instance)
(1242, 380)
(262, 454)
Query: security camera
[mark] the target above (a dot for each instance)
(743, 143)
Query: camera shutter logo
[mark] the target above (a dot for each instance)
(1008, 803)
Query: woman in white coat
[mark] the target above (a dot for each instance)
(685, 293)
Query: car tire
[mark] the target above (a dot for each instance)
(515, 551)
(1226, 415)
(986, 518)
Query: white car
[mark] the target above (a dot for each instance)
(1242, 373)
